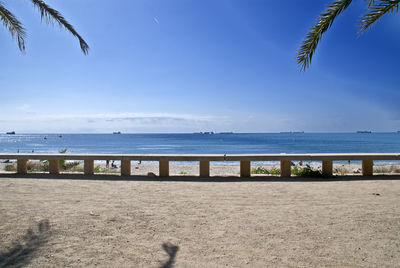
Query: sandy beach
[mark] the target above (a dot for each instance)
(111, 222)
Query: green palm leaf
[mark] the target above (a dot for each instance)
(14, 26)
(377, 10)
(325, 20)
(52, 16)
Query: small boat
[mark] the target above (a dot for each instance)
(60, 136)
(117, 132)
(364, 131)
(11, 133)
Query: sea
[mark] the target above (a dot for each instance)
(197, 143)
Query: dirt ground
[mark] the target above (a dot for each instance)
(112, 222)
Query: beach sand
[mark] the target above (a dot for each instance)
(114, 222)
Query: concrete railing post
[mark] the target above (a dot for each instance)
(125, 167)
(204, 168)
(21, 166)
(245, 171)
(54, 167)
(367, 167)
(285, 168)
(88, 167)
(164, 168)
(327, 168)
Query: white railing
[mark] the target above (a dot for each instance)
(204, 159)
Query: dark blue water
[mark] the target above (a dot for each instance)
(202, 144)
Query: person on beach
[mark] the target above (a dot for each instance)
(113, 165)
(107, 163)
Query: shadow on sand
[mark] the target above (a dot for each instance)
(171, 250)
(24, 250)
(117, 177)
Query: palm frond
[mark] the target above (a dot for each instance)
(312, 39)
(376, 11)
(52, 16)
(371, 3)
(14, 26)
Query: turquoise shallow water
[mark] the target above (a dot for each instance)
(256, 143)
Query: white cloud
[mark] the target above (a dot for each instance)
(126, 122)
(24, 108)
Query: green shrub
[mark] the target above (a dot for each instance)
(10, 168)
(259, 170)
(44, 165)
(62, 162)
(35, 166)
(97, 169)
(70, 165)
(63, 151)
(263, 170)
(275, 171)
(79, 169)
(306, 171)
(381, 170)
(67, 165)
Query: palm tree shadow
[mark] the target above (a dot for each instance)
(171, 251)
(24, 250)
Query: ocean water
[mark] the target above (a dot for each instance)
(237, 143)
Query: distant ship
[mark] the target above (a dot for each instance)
(11, 133)
(117, 132)
(291, 132)
(364, 131)
(206, 133)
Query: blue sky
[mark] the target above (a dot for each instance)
(189, 65)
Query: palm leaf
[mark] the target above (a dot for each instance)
(371, 3)
(14, 26)
(325, 20)
(52, 16)
(376, 11)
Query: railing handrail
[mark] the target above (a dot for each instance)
(206, 157)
